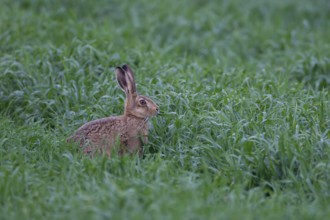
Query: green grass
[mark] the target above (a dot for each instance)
(243, 88)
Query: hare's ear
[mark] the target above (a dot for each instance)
(130, 78)
(121, 78)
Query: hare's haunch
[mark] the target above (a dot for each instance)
(128, 131)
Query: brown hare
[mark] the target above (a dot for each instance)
(128, 131)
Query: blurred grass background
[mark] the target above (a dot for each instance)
(243, 88)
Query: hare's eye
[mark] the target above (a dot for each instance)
(143, 102)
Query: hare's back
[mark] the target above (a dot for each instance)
(101, 126)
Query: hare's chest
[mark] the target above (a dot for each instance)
(133, 133)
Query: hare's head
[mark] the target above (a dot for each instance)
(137, 105)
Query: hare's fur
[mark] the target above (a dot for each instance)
(128, 131)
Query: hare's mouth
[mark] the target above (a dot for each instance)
(155, 112)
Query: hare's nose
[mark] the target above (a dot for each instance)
(157, 109)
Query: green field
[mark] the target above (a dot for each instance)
(243, 89)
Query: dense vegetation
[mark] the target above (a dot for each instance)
(243, 88)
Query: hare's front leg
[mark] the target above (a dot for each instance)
(144, 135)
(134, 145)
(144, 139)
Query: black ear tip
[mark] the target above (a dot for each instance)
(125, 67)
(120, 70)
